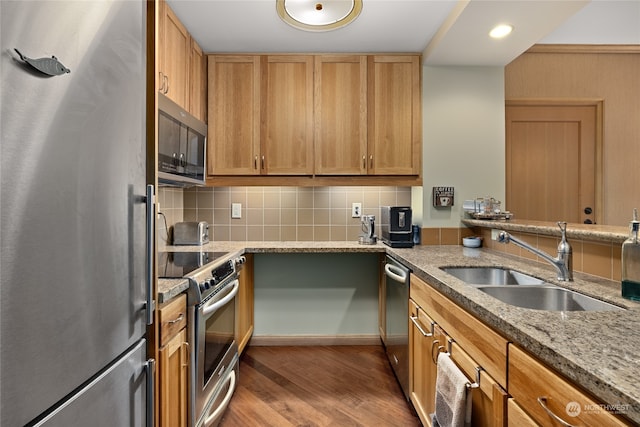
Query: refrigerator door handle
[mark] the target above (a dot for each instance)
(150, 367)
(150, 200)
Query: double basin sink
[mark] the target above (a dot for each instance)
(522, 290)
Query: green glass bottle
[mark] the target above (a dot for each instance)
(631, 261)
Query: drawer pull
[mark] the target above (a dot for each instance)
(176, 320)
(415, 322)
(543, 402)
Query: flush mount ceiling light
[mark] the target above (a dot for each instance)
(318, 15)
(500, 31)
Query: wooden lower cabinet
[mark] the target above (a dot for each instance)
(534, 387)
(516, 417)
(173, 363)
(422, 369)
(428, 336)
(244, 305)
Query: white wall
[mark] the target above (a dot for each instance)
(463, 138)
(332, 294)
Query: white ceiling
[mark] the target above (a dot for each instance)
(447, 32)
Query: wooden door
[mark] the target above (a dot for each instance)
(340, 114)
(552, 161)
(176, 46)
(394, 118)
(287, 115)
(233, 142)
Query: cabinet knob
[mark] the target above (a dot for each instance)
(371, 161)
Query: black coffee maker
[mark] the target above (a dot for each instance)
(395, 226)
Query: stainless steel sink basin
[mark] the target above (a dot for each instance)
(503, 284)
(492, 276)
(547, 298)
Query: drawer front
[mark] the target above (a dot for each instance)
(516, 417)
(483, 344)
(172, 317)
(530, 380)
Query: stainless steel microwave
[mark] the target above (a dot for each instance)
(182, 145)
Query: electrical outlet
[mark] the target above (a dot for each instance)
(356, 210)
(236, 210)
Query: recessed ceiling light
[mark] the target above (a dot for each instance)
(318, 15)
(500, 31)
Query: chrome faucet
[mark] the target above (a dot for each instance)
(563, 262)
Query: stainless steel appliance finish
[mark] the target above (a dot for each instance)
(211, 328)
(191, 233)
(368, 225)
(395, 226)
(182, 145)
(74, 269)
(397, 320)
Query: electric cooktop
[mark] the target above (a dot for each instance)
(180, 264)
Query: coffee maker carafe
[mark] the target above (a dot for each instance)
(368, 229)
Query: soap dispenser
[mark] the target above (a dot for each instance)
(631, 261)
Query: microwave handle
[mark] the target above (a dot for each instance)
(212, 306)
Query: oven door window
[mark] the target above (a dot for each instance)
(218, 337)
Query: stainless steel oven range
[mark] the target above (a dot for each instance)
(213, 285)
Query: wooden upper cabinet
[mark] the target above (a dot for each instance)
(233, 142)
(287, 115)
(327, 116)
(394, 115)
(174, 57)
(198, 82)
(340, 114)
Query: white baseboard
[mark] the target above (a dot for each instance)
(299, 340)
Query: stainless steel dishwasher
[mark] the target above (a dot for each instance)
(397, 320)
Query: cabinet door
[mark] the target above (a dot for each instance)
(244, 308)
(233, 143)
(489, 400)
(287, 115)
(394, 115)
(422, 375)
(175, 47)
(340, 114)
(198, 82)
(173, 381)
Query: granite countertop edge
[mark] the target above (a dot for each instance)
(597, 350)
(592, 232)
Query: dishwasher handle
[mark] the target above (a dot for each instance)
(396, 273)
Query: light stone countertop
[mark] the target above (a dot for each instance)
(600, 351)
(593, 232)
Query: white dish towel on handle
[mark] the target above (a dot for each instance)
(453, 397)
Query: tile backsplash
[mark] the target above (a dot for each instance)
(277, 213)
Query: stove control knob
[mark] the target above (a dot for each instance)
(202, 287)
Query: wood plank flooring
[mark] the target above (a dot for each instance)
(317, 386)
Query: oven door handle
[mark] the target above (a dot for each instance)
(212, 306)
(225, 402)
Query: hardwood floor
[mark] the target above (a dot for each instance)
(317, 386)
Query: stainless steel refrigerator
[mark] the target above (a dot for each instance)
(74, 231)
